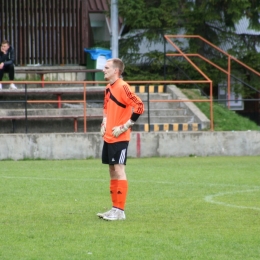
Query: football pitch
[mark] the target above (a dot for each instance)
(177, 208)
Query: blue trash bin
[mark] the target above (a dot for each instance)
(96, 59)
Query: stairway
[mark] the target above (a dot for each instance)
(162, 116)
(170, 116)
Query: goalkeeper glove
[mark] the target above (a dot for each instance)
(103, 126)
(118, 130)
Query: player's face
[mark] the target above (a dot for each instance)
(109, 71)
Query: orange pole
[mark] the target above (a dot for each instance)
(75, 125)
(59, 100)
(244, 65)
(203, 58)
(187, 58)
(179, 100)
(85, 109)
(228, 81)
(211, 107)
(201, 38)
(99, 82)
(42, 79)
(54, 101)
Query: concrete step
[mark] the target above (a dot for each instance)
(176, 127)
(166, 112)
(91, 112)
(93, 94)
(152, 96)
(153, 103)
(162, 105)
(166, 119)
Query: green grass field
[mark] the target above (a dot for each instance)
(177, 208)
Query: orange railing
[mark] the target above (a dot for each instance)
(229, 57)
(207, 79)
(91, 83)
(58, 101)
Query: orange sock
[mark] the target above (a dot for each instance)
(113, 191)
(122, 188)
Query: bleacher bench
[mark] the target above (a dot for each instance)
(37, 117)
(42, 72)
(55, 91)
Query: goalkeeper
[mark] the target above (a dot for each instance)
(122, 108)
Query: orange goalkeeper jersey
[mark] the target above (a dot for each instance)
(120, 105)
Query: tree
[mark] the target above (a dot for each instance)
(214, 20)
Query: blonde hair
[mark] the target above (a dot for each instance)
(118, 63)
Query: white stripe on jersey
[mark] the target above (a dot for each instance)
(122, 157)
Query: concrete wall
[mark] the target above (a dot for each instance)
(81, 146)
(190, 106)
(68, 76)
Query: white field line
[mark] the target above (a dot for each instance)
(211, 199)
(208, 198)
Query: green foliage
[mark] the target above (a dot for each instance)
(177, 208)
(224, 119)
(141, 14)
(214, 20)
(102, 44)
(151, 69)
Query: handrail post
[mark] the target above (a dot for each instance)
(164, 58)
(228, 86)
(211, 107)
(148, 106)
(26, 112)
(85, 107)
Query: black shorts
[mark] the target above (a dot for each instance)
(114, 153)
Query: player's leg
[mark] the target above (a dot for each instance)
(105, 160)
(118, 177)
(113, 193)
(117, 172)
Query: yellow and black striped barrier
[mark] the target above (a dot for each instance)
(150, 88)
(169, 127)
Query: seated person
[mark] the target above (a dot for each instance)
(7, 59)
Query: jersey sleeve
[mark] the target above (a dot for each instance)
(134, 101)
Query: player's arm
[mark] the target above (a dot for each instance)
(134, 101)
(103, 125)
(118, 130)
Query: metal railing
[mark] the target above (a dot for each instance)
(91, 83)
(58, 101)
(225, 71)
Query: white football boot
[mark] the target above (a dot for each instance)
(115, 214)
